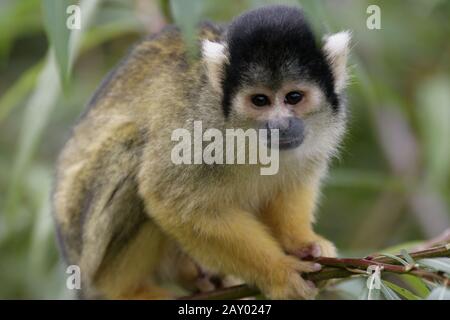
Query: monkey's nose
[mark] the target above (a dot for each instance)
(290, 132)
(280, 124)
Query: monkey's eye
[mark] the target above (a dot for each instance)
(260, 100)
(293, 97)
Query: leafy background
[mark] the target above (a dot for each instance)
(389, 187)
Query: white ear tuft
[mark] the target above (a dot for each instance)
(336, 48)
(213, 51)
(215, 56)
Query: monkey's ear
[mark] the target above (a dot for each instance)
(336, 48)
(215, 56)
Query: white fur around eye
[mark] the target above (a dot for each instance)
(336, 48)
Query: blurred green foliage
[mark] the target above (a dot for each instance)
(390, 184)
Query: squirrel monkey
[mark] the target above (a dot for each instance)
(134, 221)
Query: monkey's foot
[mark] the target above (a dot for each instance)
(148, 292)
(208, 281)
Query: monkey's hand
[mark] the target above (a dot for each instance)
(290, 217)
(313, 247)
(309, 247)
(236, 243)
(292, 285)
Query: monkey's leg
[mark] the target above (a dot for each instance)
(236, 243)
(121, 248)
(179, 268)
(290, 216)
(196, 278)
(102, 220)
(128, 274)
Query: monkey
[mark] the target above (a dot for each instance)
(134, 221)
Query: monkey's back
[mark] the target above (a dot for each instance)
(101, 159)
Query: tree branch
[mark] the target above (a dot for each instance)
(336, 268)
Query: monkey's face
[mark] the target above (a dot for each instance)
(292, 109)
(272, 73)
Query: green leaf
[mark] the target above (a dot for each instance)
(371, 292)
(433, 114)
(401, 291)
(89, 9)
(17, 18)
(55, 17)
(439, 293)
(107, 32)
(439, 264)
(407, 257)
(64, 42)
(39, 183)
(374, 294)
(350, 288)
(392, 256)
(19, 90)
(417, 284)
(388, 293)
(164, 5)
(364, 294)
(38, 111)
(186, 15)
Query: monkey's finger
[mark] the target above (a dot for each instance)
(310, 251)
(306, 266)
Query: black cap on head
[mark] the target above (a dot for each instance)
(279, 41)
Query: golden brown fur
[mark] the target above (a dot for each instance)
(132, 220)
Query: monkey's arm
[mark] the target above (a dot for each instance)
(234, 242)
(290, 216)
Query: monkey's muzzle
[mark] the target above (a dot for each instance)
(291, 132)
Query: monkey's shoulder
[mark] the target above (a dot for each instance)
(158, 60)
(169, 45)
